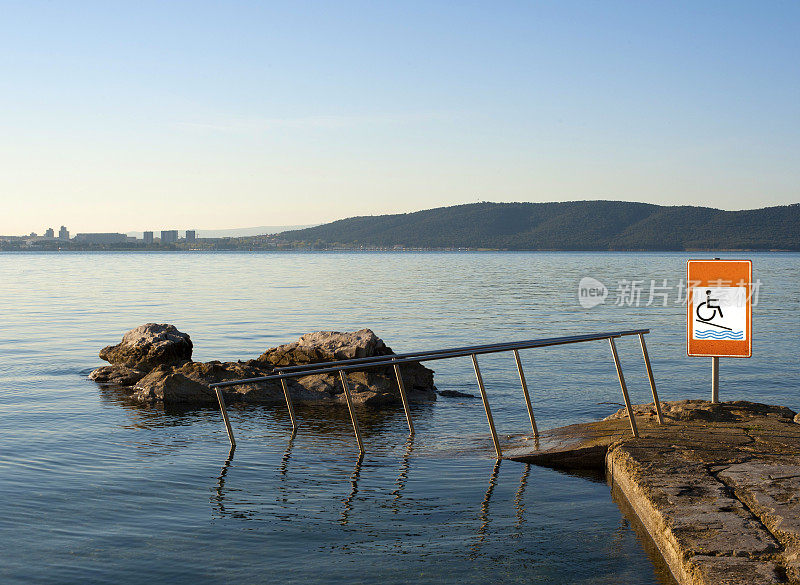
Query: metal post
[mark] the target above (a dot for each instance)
(402, 388)
(486, 407)
(624, 388)
(652, 379)
(527, 396)
(346, 387)
(715, 379)
(289, 404)
(224, 412)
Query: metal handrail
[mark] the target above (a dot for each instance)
(471, 349)
(394, 360)
(388, 360)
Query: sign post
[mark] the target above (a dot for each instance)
(719, 319)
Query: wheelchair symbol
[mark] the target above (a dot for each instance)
(708, 310)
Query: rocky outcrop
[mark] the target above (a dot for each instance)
(188, 384)
(151, 365)
(148, 346)
(705, 411)
(142, 349)
(116, 375)
(326, 346)
(376, 386)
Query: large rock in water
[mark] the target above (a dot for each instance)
(181, 381)
(188, 384)
(148, 346)
(142, 349)
(326, 346)
(374, 386)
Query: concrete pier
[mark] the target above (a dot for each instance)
(717, 487)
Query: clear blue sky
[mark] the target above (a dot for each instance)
(118, 116)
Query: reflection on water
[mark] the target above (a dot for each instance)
(519, 497)
(219, 497)
(402, 477)
(484, 514)
(348, 503)
(287, 454)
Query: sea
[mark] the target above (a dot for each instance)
(96, 489)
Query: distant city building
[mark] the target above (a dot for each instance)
(169, 236)
(101, 238)
(63, 233)
(190, 235)
(49, 233)
(147, 237)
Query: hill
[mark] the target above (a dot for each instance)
(573, 225)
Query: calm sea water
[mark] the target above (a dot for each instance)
(95, 490)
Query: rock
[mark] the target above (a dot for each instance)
(797, 418)
(375, 386)
(155, 358)
(326, 346)
(148, 346)
(188, 384)
(703, 410)
(455, 394)
(116, 375)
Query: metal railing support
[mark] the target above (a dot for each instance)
(527, 396)
(224, 412)
(289, 404)
(715, 379)
(486, 407)
(656, 402)
(402, 388)
(624, 388)
(353, 418)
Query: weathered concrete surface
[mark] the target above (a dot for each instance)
(717, 487)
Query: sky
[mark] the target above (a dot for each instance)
(123, 116)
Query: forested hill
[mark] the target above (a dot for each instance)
(575, 225)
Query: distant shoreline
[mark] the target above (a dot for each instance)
(163, 250)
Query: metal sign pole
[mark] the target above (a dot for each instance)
(715, 379)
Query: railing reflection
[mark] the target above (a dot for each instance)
(223, 504)
(484, 513)
(519, 497)
(348, 503)
(402, 478)
(219, 492)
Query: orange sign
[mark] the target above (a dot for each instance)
(719, 310)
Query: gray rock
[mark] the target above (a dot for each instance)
(375, 386)
(326, 346)
(148, 346)
(177, 380)
(116, 375)
(705, 411)
(455, 394)
(189, 384)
